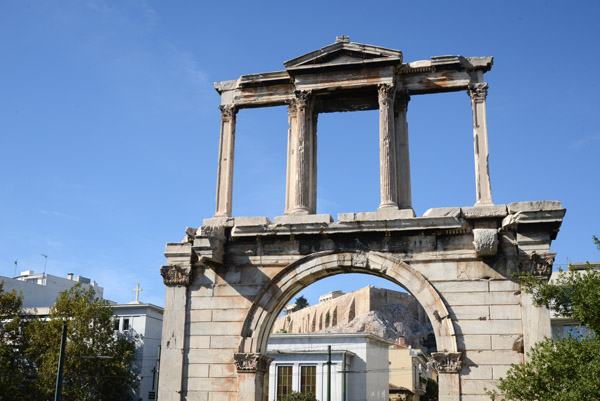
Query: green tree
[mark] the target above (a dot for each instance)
(301, 303)
(295, 396)
(431, 390)
(15, 369)
(97, 361)
(569, 368)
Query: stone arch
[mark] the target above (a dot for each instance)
(300, 274)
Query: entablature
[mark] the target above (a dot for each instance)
(352, 67)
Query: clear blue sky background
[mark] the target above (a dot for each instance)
(109, 124)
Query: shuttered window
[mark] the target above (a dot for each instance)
(308, 379)
(284, 381)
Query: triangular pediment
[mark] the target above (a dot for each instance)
(344, 52)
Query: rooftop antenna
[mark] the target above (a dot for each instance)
(16, 263)
(45, 261)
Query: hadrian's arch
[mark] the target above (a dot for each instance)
(228, 279)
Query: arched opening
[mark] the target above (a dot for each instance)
(300, 274)
(381, 353)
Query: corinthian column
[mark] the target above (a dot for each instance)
(301, 156)
(402, 155)
(387, 147)
(478, 93)
(226, 153)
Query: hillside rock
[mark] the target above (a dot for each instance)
(389, 322)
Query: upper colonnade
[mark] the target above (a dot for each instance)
(347, 76)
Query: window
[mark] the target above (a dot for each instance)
(308, 379)
(284, 381)
(565, 330)
(125, 324)
(116, 325)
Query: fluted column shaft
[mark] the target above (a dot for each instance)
(301, 190)
(387, 148)
(478, 93)
(226, 155)
(404, 196)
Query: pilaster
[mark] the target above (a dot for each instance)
(448, 365)
(251, 369)
(176, 276)
(536, 320)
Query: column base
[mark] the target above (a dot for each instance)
(388, 206)
(297, 212)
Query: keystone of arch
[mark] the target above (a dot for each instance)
(303, 272)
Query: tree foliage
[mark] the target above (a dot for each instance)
(431, 390)
(301, 303)
(97, 361)
(562, 370)
(14, 367)
(296, 396)
(569, 368)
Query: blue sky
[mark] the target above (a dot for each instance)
(109, 124)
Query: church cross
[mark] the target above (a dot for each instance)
(137, 292)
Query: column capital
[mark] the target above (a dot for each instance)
(292, 106)
(385, 94)
(303, 98)
(228, 111)
(252, 363)
(478, 91)
(538, 265)
(447, 362)
(175, 275)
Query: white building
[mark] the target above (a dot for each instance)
(145, 321)
(562, 326)
(41, 290)
(359, 366)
